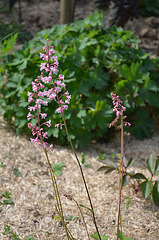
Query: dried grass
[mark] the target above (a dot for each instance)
(34, 203)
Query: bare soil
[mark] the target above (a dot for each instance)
(34, 209)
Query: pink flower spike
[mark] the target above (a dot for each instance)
(48, 68)
(118, 108)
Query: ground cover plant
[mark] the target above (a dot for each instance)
(96, 61)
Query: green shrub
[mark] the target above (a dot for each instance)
(149, 7)
(95, 62)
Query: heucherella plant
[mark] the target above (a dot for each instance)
(40, 97)
(119, 109)
(47, 87)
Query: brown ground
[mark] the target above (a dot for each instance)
(34, 203)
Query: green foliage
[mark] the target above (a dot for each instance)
(57, 168)
(95, 62)
(29, 238)
(122, 237)
(128, 201)
(6, 198)
(7, 230)
(83, 159)
(2, 164)
(17, 173)
(14, 236)
(95, 236)
(148, 187)
(72, 218)
(10, 29)
(7, 45)
(149, 7)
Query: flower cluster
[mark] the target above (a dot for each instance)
(119, 109)
(39, 96)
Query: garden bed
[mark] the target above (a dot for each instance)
(33, 209)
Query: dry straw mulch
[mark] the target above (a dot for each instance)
(34, 202)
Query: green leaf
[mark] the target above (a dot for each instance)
(156, 172)
(103, 168)
(146, 188)
(150, 163)
(6, 202)
(57, 217)
(29, 238)
(109, 163)
(124, 162)
(72, 218)
(7, 230)
(95, 236)
(81, 205)
(16, 172)
(138, 176)
(155, 193)
(83, 159)
(128, 201)
(57, 168)
(122, 237)
(102, 156)
(109, 171)
(125, 180)
(130, 162)
(88, 165)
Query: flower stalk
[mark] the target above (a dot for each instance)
(41, 97)
(119, 109)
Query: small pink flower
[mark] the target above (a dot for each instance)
(43, 115)
(61, 77)
(59, 110)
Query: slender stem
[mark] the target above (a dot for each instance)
(120, 179)
(82, 174)
(82, 217)
(57, 196)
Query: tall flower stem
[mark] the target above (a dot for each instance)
(120, 179)
(54, 183)
(57, 196)
(83, 178)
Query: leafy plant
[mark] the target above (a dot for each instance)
(2, 164)
(149, 187)
(95, 61)
(149, 7)
(29, 238)
(95, 236)
(57, 168)
(6, 198)
(17, 173)
(122, 237)
(14, 236)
